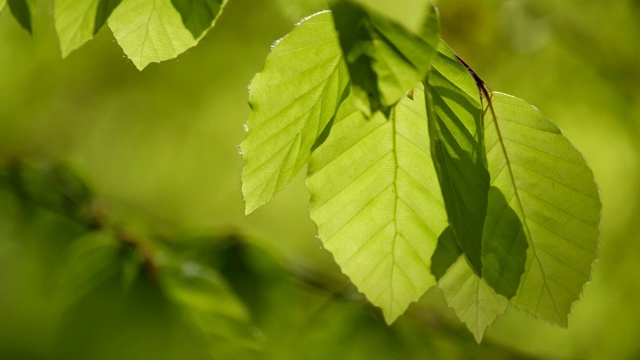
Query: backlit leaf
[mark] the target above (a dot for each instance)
(198, 15)
(149, 31)
(550, 186)
(376, 202)
(385, 59)
(457, 149)
(292, 102)
(75, 22)
(472, 299)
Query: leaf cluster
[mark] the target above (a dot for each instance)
(147, 31)
(419, 174)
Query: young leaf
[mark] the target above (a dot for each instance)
(198, 15)
(385, 60)
(292, 101)
(457, 149)
(21, 11)
(550, 186)
(376, 202)
(149, 31)
(75, 22)
(472, 299)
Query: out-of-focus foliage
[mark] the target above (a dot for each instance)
(163, 143)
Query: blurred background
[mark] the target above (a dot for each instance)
(159, 149)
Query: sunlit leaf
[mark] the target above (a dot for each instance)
(376, 202)
(550, 186)
(2, 2)
(385, 59)
(77, 21)
(410, 13)
(292, 102)
(208, 304)
(472, 299)
(457, 150)
(21, 11)
(198, 15)
(149, 31)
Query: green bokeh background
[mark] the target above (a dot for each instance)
(162, 144)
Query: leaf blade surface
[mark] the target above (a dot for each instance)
(552, 189)
(149, 31)
(375, 200)
(292, 100)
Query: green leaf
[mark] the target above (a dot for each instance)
(409, 13)
(504, 246)
(92, 260)
(457, 149)
(207, 303)
(149, 31)
(105, 8)
(2, 2)
(292, 102)
(446, 253)
(75, 22)
(550, 186)
(198, 15)
(21, 12)
(376, 202)
(385, 60)
(472, 299)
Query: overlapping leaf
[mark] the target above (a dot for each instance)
(77, 21)
(472, 299)
(149, 31)
(385, 59)
(550, 186)
(458, 151)
(292, 100)
(198, 15)
(376, 202)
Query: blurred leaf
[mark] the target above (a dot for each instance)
(21, 12)
(376, 202)
(385, 60)
(410, 13)
(457, 151)
(198, 15)
(551, 188)
(207, 302)
(2, 2)
(53, 186)
(104, 10)
(149, 31)
(472, 299)
(93, 259)
(292, 100)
